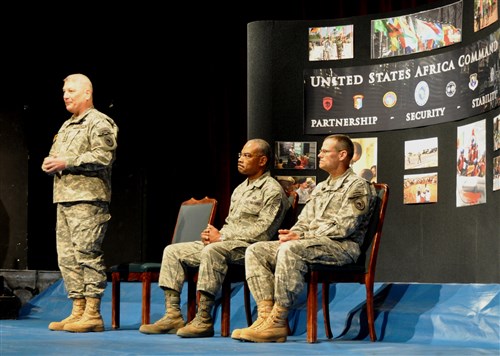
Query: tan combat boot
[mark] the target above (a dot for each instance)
(273, 329)
(202, 325)
(264, 308)
(76, 314)
(91, 319)
(171, 321)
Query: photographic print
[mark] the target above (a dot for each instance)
(295, 155)
(303, 185)
(419, 32)
(485, 13)
(496, 173)
(471, 164)
(331, 43)
(420, 188)
(364, 160)
(496, 133)
(421, 153)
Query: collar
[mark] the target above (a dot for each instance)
(82, 116)
(259, 182)
(336, 182)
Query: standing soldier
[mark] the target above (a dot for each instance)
(80, 160)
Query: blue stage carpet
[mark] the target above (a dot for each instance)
(412, 319)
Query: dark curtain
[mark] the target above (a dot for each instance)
(174, 81)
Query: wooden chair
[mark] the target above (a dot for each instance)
(363, 272)
(236, 274)
(193, 217)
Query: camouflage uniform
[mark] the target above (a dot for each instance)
(255, 214)
(82, 193)
(331, 228)
(339, 43)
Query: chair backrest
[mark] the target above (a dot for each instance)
(194, 215)
(291, 215)
(371, 242)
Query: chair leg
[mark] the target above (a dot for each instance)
(370, 311)
(312, 307)
(146, 297)
(115, 300)
(325, 299)
(225, 307)
(192, 298)
(246, 298)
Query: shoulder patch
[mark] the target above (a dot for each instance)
(108, 141)
(360, 204)
(107, 137)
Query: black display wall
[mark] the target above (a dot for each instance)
(428, 243)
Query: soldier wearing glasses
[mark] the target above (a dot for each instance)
(329, 230)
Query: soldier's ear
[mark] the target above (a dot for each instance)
(343, 155)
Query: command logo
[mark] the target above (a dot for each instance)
(358, 101)
(451, 89)
(327, 103)
(422, 93)
(473, 81)
(390, 99)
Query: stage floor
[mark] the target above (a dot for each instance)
(411, 319)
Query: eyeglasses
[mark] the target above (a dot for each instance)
(247, 155)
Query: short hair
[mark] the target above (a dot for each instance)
(83, 80)
(344, 142)
(264, 149)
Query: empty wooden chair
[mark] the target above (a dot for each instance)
(193, 217)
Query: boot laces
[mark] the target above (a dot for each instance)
(199, 321)
(163, 319)
(270, 320)
(167, 318)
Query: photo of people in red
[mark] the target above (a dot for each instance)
(471, 164)
(420, 188)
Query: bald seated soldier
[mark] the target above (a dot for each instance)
(258, 206)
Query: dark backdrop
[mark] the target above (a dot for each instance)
(426, 243)
(174, 81)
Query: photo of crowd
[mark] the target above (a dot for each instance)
(295, 155)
